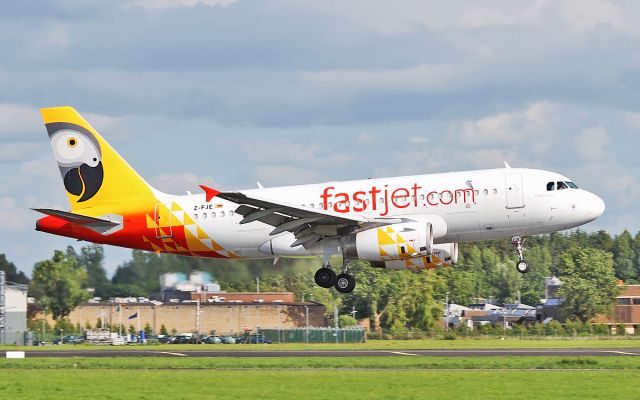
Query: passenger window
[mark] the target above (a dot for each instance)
(204, 215)
(485, 192)
(562, 186)
(381, 200)
(422, 197)
(195, 216)
(221, 213)
(551, 186)
(495, 191)
(213, 215)
(231, 213)
(312, 205)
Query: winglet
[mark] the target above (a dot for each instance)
(210, 193)
(506, 165)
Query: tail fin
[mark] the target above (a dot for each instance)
(94, 174)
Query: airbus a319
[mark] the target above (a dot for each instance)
(411, 222)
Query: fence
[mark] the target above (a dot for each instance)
(314, 335)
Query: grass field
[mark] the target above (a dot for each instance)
(299, 363)
(435, 344)
(404, 378)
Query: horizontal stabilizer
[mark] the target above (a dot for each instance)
(78, 219)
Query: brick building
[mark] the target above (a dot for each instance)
(223, 318)
(627, 310)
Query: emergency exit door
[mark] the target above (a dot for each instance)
(515, 195)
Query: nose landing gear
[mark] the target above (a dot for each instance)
(522, 265)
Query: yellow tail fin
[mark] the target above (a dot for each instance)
(94, 174)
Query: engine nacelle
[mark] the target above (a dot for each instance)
(395, 242)
(443, 255)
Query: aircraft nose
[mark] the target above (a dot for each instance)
(595, 206)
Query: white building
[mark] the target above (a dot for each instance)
(15, 314)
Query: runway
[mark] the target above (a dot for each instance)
(331, 353)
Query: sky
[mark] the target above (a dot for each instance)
(228, 93)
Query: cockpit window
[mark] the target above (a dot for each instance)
(551, 186)
(572, 185)
(562, 186)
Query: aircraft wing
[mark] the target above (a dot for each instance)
(78, 219)
(309, 225)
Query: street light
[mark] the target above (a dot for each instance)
(446, 310)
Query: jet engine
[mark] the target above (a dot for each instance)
(395, 242)
(443, 255)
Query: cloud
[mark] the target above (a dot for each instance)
(328, 90)
(169, 4)
(286, 175)
(592, 142)
(180, 183)
(16, 119)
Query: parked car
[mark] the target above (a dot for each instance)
(255, 339)
(182, 339)
(211, 340)
(69, 339)
(162, 339)
(229, 339)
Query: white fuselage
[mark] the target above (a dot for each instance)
(476, 205)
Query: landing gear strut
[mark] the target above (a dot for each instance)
(522, 266)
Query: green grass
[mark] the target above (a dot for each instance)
(460, 343)
(316, 385)
(378, 362)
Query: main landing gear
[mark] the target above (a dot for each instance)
(326, 278)
(522, 266)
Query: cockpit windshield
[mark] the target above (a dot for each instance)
(561, 185)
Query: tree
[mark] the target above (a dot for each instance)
(163, 330)
(624, 257)
(58, 284)
(589, 285)
(92, 258)
(148, 331)
(12, 273)
(346, 321)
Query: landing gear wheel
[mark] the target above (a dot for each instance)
(325, 277)
(522, 266)
(345, 283)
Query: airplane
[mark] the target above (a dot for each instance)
(410, 222)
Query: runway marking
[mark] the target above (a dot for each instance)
(400, 353)
(174, 354)
(624, 353)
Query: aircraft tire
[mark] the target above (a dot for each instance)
(522, 266)
(345, 283)
(325, 277)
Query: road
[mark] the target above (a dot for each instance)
(331, 353)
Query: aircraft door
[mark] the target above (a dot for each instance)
(515, 195)
(162, 218)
